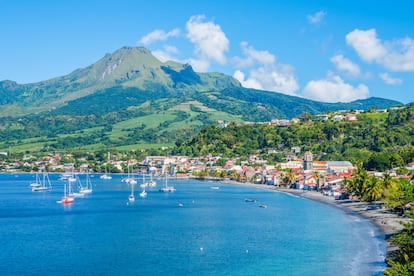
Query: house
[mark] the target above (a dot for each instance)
(337, 118)
(339, 166)
(298, 163)
(351, 117)
(308, 182)
(323, 117)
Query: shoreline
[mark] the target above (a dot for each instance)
(386, 222)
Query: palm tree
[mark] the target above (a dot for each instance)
(317, 176)
(389, 184)
(372, 189)
(290, 177)
(358, 182)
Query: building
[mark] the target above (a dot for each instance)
(339, 166)
(308, 161)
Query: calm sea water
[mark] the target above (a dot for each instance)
(214, 232)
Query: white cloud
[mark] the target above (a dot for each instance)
(199, 65)
(253, 57)
(334, 89)
(390, 80)
(163, 56)
(210, 41)
(345, 65)
(159, 35)
(275, 78)
(249, 83)
(316, 18)
(166, 54)
(397, 55)
(263, 72)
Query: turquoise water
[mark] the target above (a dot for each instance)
(215, 232)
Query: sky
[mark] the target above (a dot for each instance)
(329, 51)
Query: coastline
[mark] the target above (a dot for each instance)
(388, 223)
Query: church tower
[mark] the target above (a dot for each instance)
(308, 161)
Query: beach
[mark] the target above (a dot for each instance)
(387, 222)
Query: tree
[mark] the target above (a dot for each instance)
(289, 177)
(356, 184)
(403, 264)
(372, 189)
(317, 176)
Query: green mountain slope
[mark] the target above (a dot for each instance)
(131, 98)
(127, 67)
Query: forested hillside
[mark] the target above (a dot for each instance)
(378, 140)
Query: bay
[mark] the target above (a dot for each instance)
(196, 230)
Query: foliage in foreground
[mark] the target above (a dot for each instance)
(403, 264)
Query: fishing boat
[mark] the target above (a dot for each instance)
(45, 184)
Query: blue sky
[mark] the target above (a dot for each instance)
(323, 50)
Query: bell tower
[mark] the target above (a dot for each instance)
(307, 161)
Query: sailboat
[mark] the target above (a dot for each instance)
(45, 184)
(71, 192)
(144, 184)
(152, 183)
(87, 189)
(129, 179)
(143, 194)
(66, 199)
(36, 183)
(106, 176)
(167, 188)
(131, 197)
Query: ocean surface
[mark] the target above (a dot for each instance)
(197, 230)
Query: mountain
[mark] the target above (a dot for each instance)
(126, 67)
(130, 97)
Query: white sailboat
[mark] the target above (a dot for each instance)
(152, 183)
(144, 184)
(87, 189)
(36, 183)
(71, 191)
(166, 187)
(45, 184)
(106, 176)
(131, 197)
(130, 177)
(143, 194)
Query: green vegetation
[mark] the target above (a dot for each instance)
(403, 264)
(131, 98)
(398, 194)
(379, 142)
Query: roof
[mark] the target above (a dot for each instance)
(339, 164)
